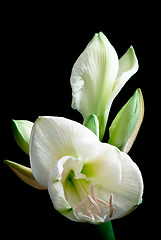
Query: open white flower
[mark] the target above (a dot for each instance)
(87, 180)
(98, 76)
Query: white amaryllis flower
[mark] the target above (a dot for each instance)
(98, 76)
(88, 181)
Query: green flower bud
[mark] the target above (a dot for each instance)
(91, 122)
(21, 131)
(24, 173)
(127, 122)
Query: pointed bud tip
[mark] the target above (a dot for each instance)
(92, 123)
(5, 161)
(21, 131)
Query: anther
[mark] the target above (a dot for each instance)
(112, 208)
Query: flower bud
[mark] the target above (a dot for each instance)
(24, 173)
(21, 131)
(91, 122)
(127, 122)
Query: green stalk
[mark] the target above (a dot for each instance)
(106, 231)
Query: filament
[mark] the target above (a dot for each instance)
(94, 204)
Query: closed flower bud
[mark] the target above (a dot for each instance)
(21, 131)
(24, 173)
(127, 122)
(91, 122)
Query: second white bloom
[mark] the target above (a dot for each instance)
(98, 76)
(87, 180)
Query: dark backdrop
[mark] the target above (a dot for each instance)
(39, 49)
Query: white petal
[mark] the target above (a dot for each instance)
(113, 172)
(129, 194)
(51, 139)
(93, 76)
(128, 66)
(103, 165)
(56, 189)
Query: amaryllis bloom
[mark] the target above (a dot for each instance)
(88, 181)
(98, 76)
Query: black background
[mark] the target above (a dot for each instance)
(39, 47)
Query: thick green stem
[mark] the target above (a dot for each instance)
(106, 231)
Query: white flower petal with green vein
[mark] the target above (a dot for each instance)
(87, 180)
(102, 164)
(128, 66)
(93, 75)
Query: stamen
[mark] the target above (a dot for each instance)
(112, 208)
(90, 213)
(81, 204)
(102, 201)
(94, 196)
(93, 202)
(93, 192)
(98, 218)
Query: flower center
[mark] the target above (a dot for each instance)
(81, 194)
(92, 208)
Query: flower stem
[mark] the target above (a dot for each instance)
(106, 231)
